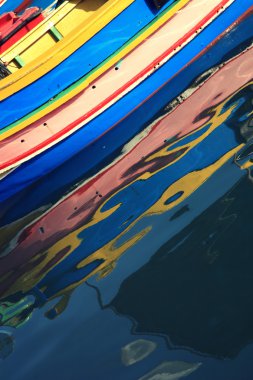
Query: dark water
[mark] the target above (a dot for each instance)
(184, 292)
(144, 270)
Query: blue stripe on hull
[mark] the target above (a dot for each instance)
(88, 56)
(48, 161)
(133, 204)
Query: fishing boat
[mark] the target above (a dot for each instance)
(59, 67)
(19, 6)
(13, 27)
(136, 108)
(58, 25)
(93, 74)
(108, 88)
(2, 2)
(206, 111)
(165, 164)
(130, 196)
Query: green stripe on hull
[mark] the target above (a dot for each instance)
(84, 78)
(55, 33)
(19, 61)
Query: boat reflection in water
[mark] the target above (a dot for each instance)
(203, 279)
(165, 207)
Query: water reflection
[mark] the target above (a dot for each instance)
(137, 350)
(166, 165)
(6, 344)
(171, 371)
(195, 289)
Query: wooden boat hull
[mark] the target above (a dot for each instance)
(60, 23)
(86, 80)
(47, 84)
(165, 170)
(120, 133)
(119, 80)
(18, 26)
(19, 6)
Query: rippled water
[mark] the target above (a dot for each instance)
(181, 295)
(140, 268)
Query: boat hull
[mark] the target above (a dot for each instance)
(49, 84)
(149, 98)
(108, 88)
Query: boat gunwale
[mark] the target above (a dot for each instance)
(129, 86)
(63, 49)
(59, 13)
(88, 78)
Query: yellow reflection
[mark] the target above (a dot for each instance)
(110, 252)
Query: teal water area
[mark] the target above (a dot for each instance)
(144, 269)
(185, 289)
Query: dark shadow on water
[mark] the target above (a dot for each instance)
(200, 295)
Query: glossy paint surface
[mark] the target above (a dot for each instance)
(134, 18)
(85, 81)
(142, 267)
(25, 175)
(120, 79)
(141, 164)
(14, 27)
(95, 15)
(11, 5)
(65, 18)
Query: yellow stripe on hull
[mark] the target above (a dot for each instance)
(40, 39)
(93, 20)
(113, 61)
